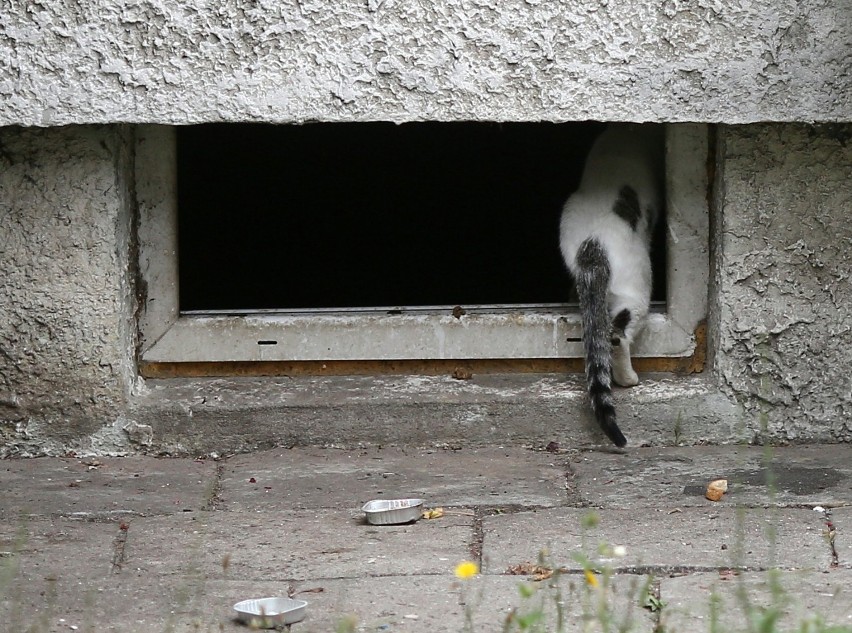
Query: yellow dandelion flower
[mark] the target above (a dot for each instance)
(466, 569)
(591, 579)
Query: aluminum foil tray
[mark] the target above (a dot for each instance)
(270, 613)
(392, 511)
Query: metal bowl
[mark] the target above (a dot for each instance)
(392, 511)
(270, 613)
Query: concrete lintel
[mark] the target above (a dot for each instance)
(298, 61)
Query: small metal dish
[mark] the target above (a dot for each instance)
(270, 613)
(392, 511)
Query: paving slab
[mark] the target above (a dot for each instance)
(56, 547)
(801, 475)
(693, 537)
(148, 604)
(125, 604)
(104, 487)
(175, 545)
(425, 604)
(803, 596)
(612, 606)
(58, 573)
(413, 604)
(296, 545)
(288, 479)
(121, 549)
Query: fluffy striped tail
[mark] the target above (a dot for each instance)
(592, 286)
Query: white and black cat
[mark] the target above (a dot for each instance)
(605, 237)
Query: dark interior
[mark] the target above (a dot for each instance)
(368, 215)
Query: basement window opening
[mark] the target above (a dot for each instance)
(378, 241)
(376, 216)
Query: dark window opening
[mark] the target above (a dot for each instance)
(361, 215)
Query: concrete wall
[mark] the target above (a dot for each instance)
(780, 321)
(733, 61)
(779, 316)
(783, 269)
(67, 332)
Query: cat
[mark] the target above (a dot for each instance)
(605, 239)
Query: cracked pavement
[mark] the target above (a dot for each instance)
(150, 544)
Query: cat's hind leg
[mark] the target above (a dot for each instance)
(622, 368)
(624, 327)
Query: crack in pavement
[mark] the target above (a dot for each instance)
(831, 537)
(119, 545)
(478, 540)
(213, 494)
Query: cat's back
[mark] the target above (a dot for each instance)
(619, 196)
(625, 154)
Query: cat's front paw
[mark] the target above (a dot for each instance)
(625, 377)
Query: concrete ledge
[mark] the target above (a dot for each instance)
(199, 416)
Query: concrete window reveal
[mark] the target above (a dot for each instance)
(422, 242)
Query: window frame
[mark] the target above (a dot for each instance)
(388, 334)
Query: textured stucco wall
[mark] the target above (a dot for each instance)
(66, 304)
(96, 61)
(783, 278)
(780, 308)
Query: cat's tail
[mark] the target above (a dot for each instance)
(592, 280)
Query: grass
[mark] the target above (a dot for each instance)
(591, 597)
(599, 600)
(542, 606)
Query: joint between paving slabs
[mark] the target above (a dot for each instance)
(213, 494)
(119, 547)
(831, 537)
(478, 536)
(655, 591)
(108, 516)
(573, 498)
(671, 571)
